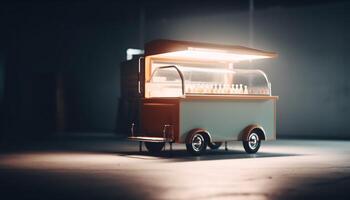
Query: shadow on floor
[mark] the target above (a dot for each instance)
(124, 148)
(183, 155)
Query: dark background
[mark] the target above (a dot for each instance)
(59, 60)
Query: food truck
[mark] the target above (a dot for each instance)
(197, 94)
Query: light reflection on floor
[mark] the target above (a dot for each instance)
(113, 169)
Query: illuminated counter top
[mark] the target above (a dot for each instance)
(220, 97)
(245, 97)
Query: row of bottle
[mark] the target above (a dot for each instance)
(217, 88)
(259, 91)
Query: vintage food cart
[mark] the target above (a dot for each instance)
(195, 93)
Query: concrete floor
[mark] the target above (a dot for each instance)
(110, 168)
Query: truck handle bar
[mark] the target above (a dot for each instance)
(139, 76)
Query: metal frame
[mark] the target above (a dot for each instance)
(178, 71)
(165, 138)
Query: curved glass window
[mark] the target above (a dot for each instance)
(166, 81)
(169, 80)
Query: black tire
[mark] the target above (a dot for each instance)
(197, 144)
(253, 143)
(154, 147)
(214, 145)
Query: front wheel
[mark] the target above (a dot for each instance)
(253, 143)
(154, 147)
(197, 144)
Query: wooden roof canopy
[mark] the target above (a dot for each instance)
(185, 50)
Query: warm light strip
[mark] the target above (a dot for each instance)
(200, 69)
(206, 50)
(211, 54)
(197, 69)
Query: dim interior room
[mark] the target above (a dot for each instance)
(65, 122)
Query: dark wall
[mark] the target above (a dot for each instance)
(2, 86)
(311, 73)
(2, 79)
(73, 49)
(61, 60)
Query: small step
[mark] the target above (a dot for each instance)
(150, 139)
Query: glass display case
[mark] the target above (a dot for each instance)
(176, 80)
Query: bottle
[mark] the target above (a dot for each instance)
(220, 88)
(235, 89)
(224, 90)
(227, 88)
(231, 89)
(214, 89)
(240, 89)
(245, 89)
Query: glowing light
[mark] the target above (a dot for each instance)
(211, 55)
(213, 70)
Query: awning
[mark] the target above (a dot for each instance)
(185, 50)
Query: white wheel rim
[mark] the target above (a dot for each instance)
(197, 142)
(253, 141)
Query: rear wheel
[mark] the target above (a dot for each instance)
(197, 144)
(214, 145)
(154, 147)
(252, 145)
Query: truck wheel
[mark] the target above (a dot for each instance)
(253, 143)
(197, 144)
(154, 147)
(214, 145)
